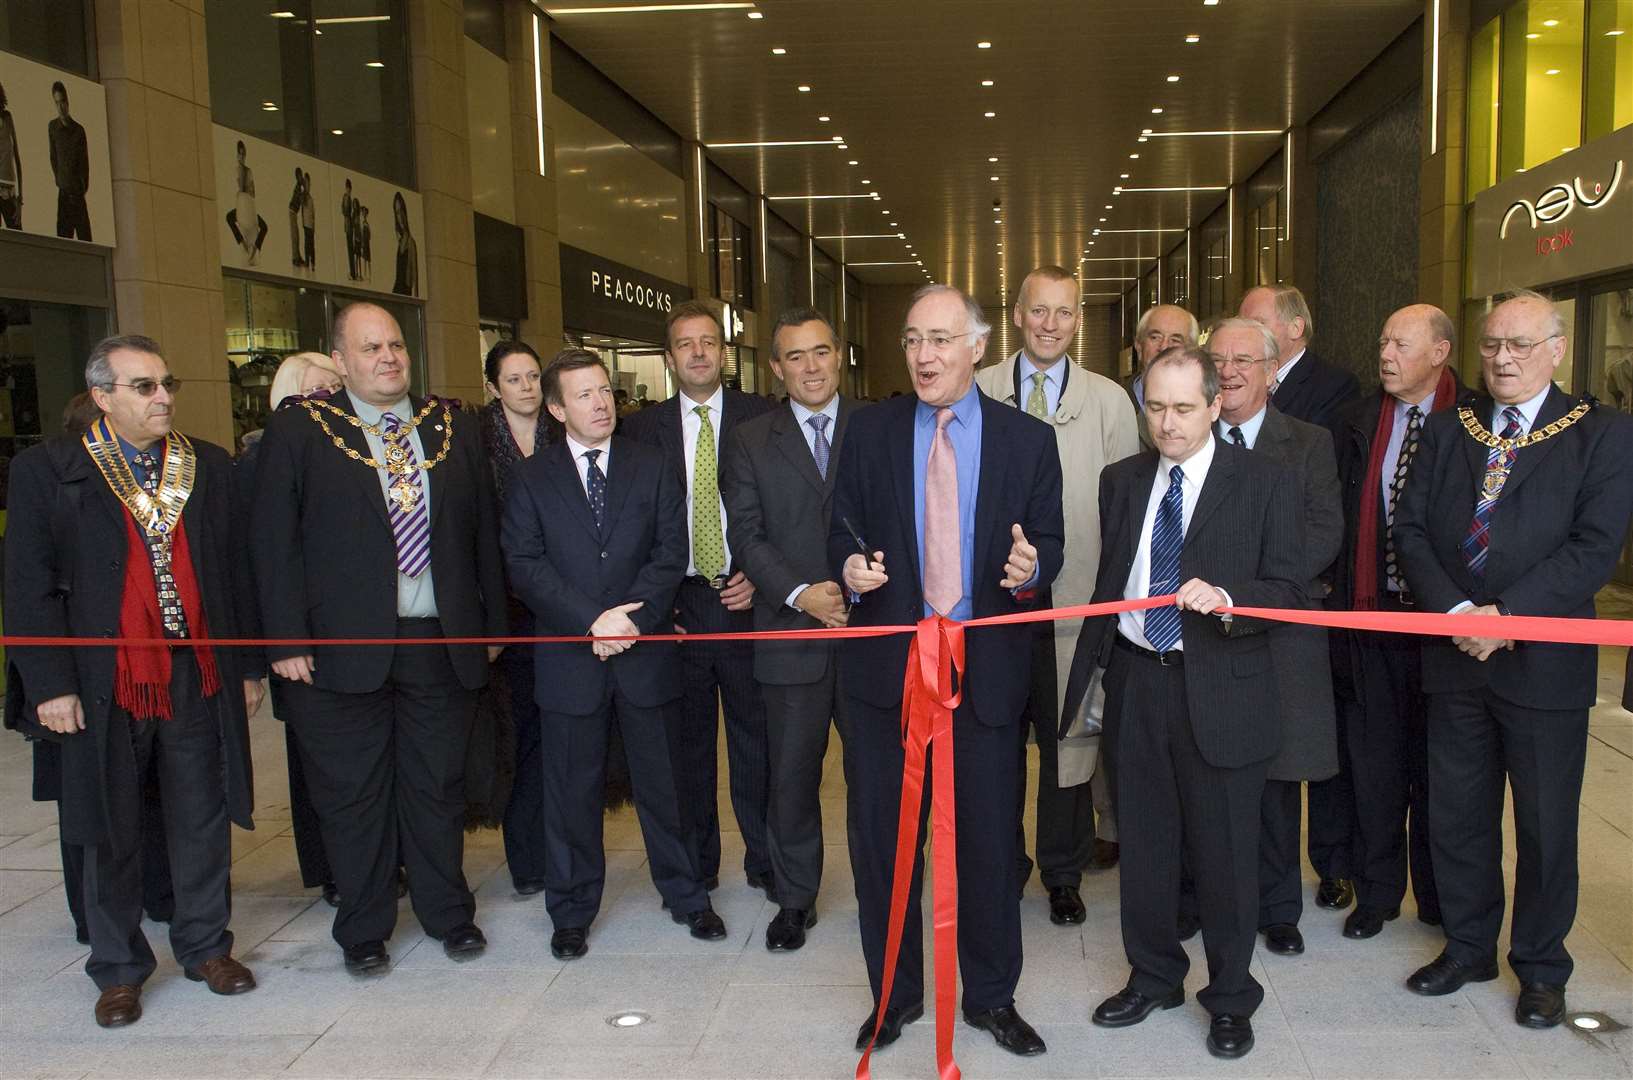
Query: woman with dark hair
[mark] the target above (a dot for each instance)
(408, 252)
(11, 170)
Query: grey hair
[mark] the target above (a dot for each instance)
(1557, 321)
(1290, 305)
(99, 365)
(979, 327)
(1272, 351)
(1145, 321)
(1185, 355)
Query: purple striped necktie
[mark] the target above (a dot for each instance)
(412, 528)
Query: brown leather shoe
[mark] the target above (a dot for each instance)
(118, 1006)
(223, 975)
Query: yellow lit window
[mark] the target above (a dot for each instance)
(1610, 66)
(1541, 110)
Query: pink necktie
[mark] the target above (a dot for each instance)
(943, 558)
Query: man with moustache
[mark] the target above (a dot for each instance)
(1094, 426)
(1245, 353)
(714, 597)
(1379, 677)
(595, 540)
(777, 482)
(1518, 504)
(374, 519)
(1160, 328)
(1192, 702)
(958, 500)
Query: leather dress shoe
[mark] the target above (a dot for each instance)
(1230, 1036)
(529, 886)
(1283, 939)
(464, 942)
(1335, 893)
(1066, 906)
(367, 957)
(1446, 975)
(119, 1005)
(1188, 926)
(331, 894)
(223, 975)
(890, 1030)
(569, 943)
(705, 924)
(787, 930)
(1010, 1031)
(1106, 853)
(1365, 922)
(1541, 1005)
(1128, 1007)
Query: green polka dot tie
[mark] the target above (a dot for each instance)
(708, 545)
(1037, 402)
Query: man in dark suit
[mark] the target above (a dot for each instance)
(1518, 505)
(1245, 353)
(375, 519)
(1192, 706)
(1310, 390)
(777, 481)
(715, 596)
(595, 540)
(1377, 677)
(959, 499)
(128, 532)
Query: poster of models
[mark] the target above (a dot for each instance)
(289, 214)
(53, 153)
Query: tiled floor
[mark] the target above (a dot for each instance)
(730, 1009)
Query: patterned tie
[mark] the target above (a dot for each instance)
(595, 482)
(1409, 447)
(820, 448)
(411, 529)
(943, 546)
(1037, 402)
(1476, 545)
(170, 610)
(1237, 437)
(1167, 540)
(708, 544)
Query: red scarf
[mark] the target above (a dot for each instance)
(1366, 536)
(142, 674)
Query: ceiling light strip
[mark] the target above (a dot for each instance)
(773, 142)
(640, 9)
(1200, 187)
(1434, 79)
(906, 262)
(1287, 187)
(698, 176)
(1199, 134)
(538, 86)
(807, 198)
(860, 236)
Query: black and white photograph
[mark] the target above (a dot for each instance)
(53, 153)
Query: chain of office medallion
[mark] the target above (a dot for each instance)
(1486, 438)
(312, 410)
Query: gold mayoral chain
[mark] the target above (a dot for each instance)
(158, 514)
(398, 452)
(1495, 479)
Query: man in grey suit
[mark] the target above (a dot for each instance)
(777, 482)
(1246, 352)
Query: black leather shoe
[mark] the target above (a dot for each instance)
(1283, 939)
(1128, 1007)
(367, 957)
(1444, 975)
(1541, 1005)
(1230, 1036)
(569, 943)
(890, 1031)
(529, 886)
(787, 931)
(705, 924)
(1066, 906)
(464, 942)
(1365, 922)
(1335, 893)
(331, 894)
(1008, 1029)
(1106, 853)
(1188, 926)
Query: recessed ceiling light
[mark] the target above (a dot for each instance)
(1173, 78)
(1551, 71)
(989, 114)
(851, 163)
(867, 181)
(804, 89)
(823, 119)
(1533, 35)
(1145, 131)
(983, 44)
(337, 131)
(1615, 33)
(756, 14)
(892, 224)
(1210, 3)
(993, 160)
(1133, 157)
(1122, 176)
(628, 1019)
(1108, 206)
(1192, 39)
(779, 51)
(374, 64)
(1102, 221)
(841, 146)
(986, 82)
(282, 15)
(267, 106)
(1550, 23)
(992, 178)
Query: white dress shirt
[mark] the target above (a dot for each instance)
(690, 425)
(801, 416)
(577, 449)
(416, 596)
(1286, 367)
(1131, 624)
(1250, 427)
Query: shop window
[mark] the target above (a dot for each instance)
(1541, 104)
(56, 32)
(1483, 107)
(1215, 267)
(731, 244)
(261, 71)
(1610, 66)
(1176, 277)
(42, 365)
(1267, 239)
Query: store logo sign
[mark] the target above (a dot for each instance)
(1555, 204)
(614, 287)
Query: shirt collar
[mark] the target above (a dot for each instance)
(577, 449)
(402, 409)
(964, 409)
(1195, 467)
(1250, 427)
(1528, 409)
(716, 404)
(1403, 407)
(830, 410)
(1029, 369)
(1287, 366)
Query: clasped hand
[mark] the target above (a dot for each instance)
(611, 624)
(1481, 648)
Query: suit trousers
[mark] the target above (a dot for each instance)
(1065, 822)
(989, 911)
(573, 761)
(523, 825)
(185, 751)
(720, 674)
(1281, 886)
(303, 819)
(1388, 751)
(1181, 802)
(386, 771)
(1476, 742)
(797, 718)
(158, 897)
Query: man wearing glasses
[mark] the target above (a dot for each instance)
(1518, 504)
(126, 534)
(1163, 327)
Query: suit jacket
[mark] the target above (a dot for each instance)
(1309, 749)
(73, 588)
(1556, 533)
(568, 571)
(778, 508)
(1246, 536)
(1019, 482)
(326, 561)
(1314, 390)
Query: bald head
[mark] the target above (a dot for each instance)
(371, 354)
(1412, 351)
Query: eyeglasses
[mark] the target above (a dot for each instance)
(147, 387)
(1238, 363)
(1518, 348)
(939, 342)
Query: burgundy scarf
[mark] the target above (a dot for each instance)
(142, 673)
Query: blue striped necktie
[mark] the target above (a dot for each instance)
(1167, 540)
(1477, 544)
(411, 529)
